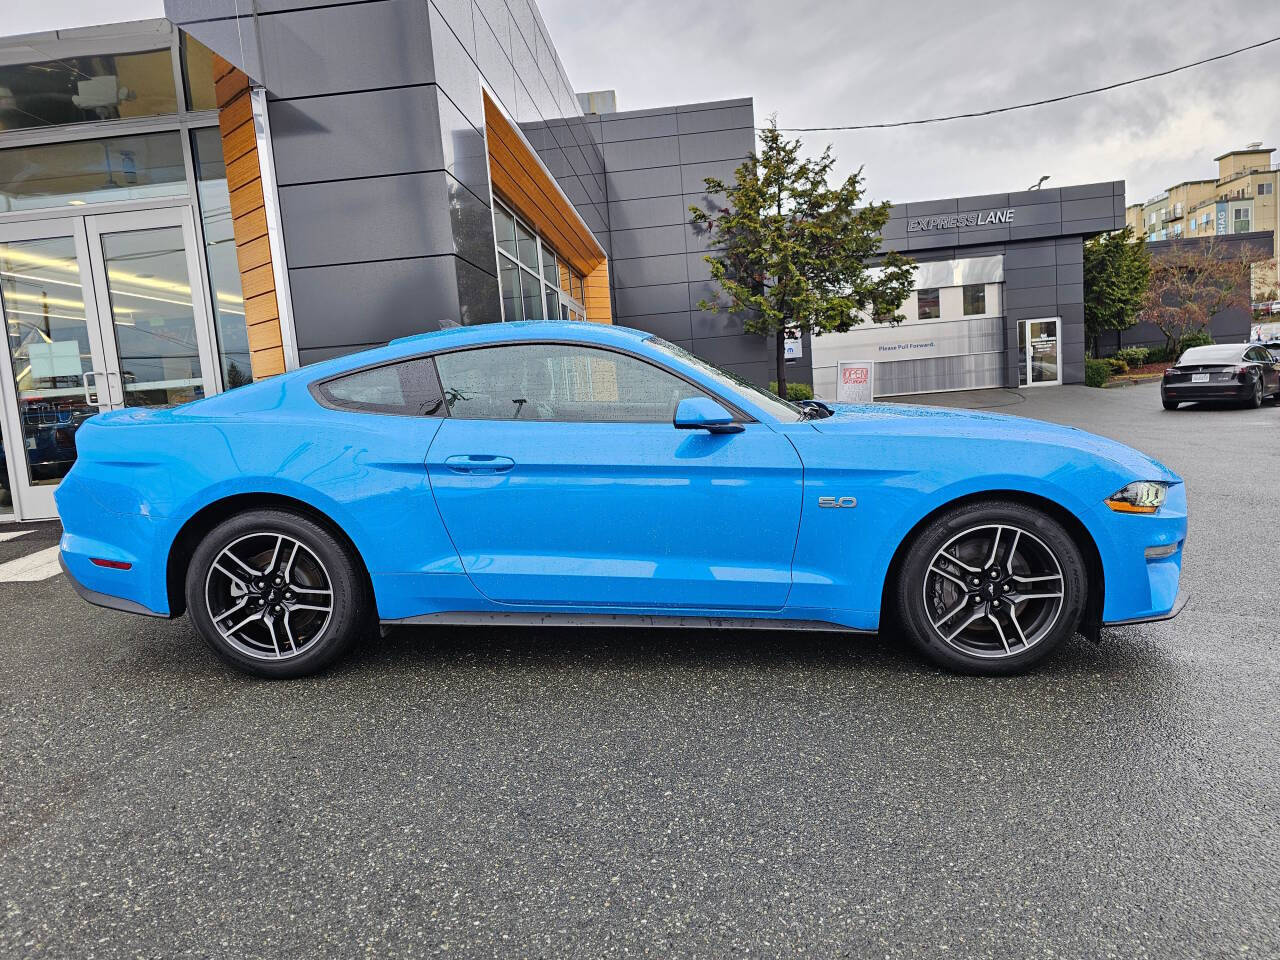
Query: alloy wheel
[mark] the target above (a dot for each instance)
(994, 591)
(269, 596)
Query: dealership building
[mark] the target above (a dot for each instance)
(191, 203)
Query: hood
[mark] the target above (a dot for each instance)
(921, 421)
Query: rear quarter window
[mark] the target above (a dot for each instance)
(407, 388)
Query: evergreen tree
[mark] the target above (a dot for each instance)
(1117, 270)
(798, 253)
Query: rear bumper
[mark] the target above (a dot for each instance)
(1207, 391)
(106, 600)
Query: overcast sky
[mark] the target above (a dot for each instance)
(820, 62)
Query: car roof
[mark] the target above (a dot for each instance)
(521, 330)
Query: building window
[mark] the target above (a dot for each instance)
(536, 283)
(1240, 218)
(220, 255)
(114, 86)
(975, 299)
(139, 167)
(1192, 224)
(1266, 188)
(928, 306)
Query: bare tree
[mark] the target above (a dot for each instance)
(1194, 281)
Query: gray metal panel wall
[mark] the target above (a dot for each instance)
(655, 163)
(377, 128)
(1043, 247)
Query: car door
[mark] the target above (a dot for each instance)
(1270, 370)
(563, 482)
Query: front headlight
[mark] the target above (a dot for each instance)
(1141, 496)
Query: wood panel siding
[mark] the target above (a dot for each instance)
(520, 179)
(249, 219)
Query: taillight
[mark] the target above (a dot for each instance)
(1242, 373)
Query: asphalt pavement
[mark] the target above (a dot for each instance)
(554, 793)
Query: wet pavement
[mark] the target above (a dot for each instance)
(553, 793)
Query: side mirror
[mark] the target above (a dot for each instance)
(703, 413)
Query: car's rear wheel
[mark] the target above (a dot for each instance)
(1255, 399)
(991, 587)
(275, 594)
(1170, 404)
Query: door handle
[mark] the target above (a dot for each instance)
(92, 392)
(478, 463)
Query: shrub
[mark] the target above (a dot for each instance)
(1116, 365)
(1096, 373)
(1160, 355)
(1198, 338)
(1133, 356)
(795, 391)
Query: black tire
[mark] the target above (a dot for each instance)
(349, 614)
(1045, 537)
(1170, 404)
(1255, 400)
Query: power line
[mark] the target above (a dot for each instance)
(1033, 103)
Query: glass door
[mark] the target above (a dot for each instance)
(1038, 342)
(101, 313)
(54, 357)
(155, 333)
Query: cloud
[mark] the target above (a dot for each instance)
(822, 63)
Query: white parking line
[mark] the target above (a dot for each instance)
(12, 534)
(40, 565)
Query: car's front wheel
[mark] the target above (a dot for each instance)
(991, 587)
(275, 594)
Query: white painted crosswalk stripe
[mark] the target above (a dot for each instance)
(40, 565)
(6, 535)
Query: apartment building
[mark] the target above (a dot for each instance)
(1241, 199)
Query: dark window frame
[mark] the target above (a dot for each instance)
(442, 409)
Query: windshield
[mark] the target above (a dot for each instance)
(777, 408)
(1218, 353)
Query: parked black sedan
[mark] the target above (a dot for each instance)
(1244, 372)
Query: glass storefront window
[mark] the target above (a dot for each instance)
(92, 171)
(527, 246)
(511, 305)
(197, 72)
(975, 299)
(536, 282)
(49, 348)
(532, 291)
(220, 255)
(928, 305)
(87, 89)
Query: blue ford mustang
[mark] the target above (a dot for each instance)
(584, 474)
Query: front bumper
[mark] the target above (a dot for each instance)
(1179, 602)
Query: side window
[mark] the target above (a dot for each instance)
(566, 382)
(408, 388)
